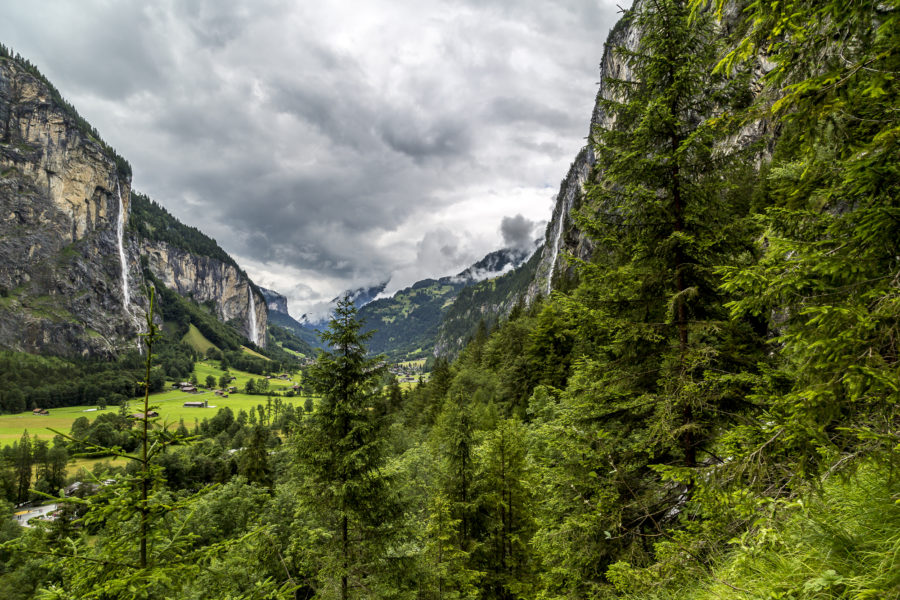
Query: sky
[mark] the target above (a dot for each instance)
(333, 145)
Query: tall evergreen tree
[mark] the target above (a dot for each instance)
(828, 277)
(254, 462)
(339, 458)
(24, 462)
(507, 502)
(664, 212)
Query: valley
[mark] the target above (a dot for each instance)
(684, 389)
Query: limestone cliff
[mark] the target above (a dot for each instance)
(62, 279)
(209, 280)
(563, 235)
(71, 280)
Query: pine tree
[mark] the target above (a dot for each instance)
(828, 280)
(506, 500)
(254, 461)
(447, 571)
(339, 460)
(664, 211)
(454, 440)
(24, 462)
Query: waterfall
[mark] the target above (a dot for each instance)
(254, 333)
(556, 242)
(120, 234)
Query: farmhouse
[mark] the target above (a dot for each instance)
(140, 415)
(202, 404)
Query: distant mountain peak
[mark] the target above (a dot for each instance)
(494, 264)
(275, 301)
(363, 295)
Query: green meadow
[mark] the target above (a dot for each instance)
(169, 404)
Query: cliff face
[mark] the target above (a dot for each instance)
(562, 235)
(62, 280)
(275, 301)
(205, 280)
(70, 275)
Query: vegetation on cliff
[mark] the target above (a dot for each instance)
(155, 224)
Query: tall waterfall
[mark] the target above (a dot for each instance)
(254, 332)
(556, 242)
(120, 234)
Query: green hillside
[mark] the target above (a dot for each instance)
(405, 326)
(486, 301)
(197, 340)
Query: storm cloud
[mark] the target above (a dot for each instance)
(333, 145)
(518, 232)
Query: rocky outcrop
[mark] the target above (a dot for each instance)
(562, 236)
(61, 277)
(274, 301)
(208, 280)
(71, 281)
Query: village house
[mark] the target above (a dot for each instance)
(140, 415)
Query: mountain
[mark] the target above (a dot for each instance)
(495, 264)
(69, 284)
(307, 339)
(364, 295)
(274, 301)
(191, 263)
(406, 325)
(75, 241)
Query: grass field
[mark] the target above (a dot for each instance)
(169, 405)
(204, 368)
(254, 353)
(197, 340)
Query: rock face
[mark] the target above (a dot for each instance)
(71, 281)
(61, 284)
(274, 301)
(562, 235)
(206, 279)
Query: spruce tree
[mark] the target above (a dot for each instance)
(340, 457)
(827, 281)
(24, 461)
(664, 213)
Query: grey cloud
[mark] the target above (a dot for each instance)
(326, 138)
(524, 110)
(517, 232)
(441, 138)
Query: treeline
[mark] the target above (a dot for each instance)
(28, 466)
(182, 312)
(123, 167)
(485, 300)
(28, 381)
(414, 314)
(288, 339)
(154, 223)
